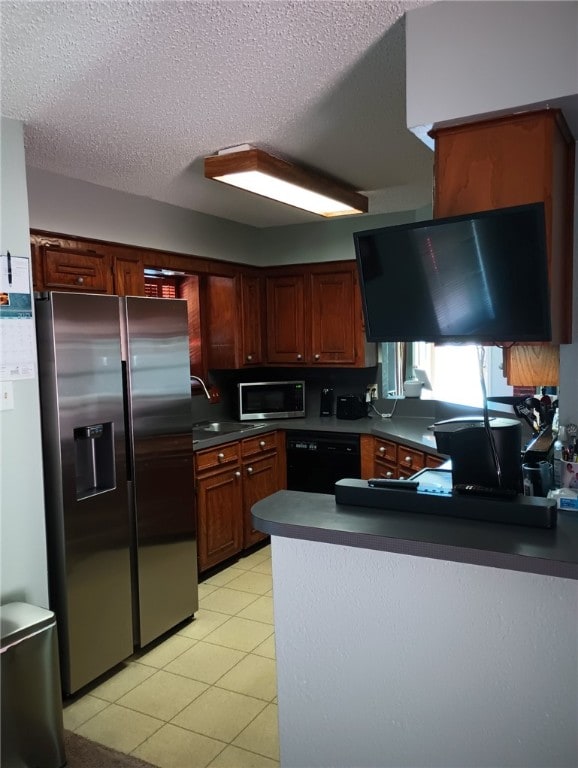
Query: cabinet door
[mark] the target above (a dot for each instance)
(233, 314)
(260, 479)
(333, 318)
(286, 319)
(219, 516)
(251, 352)
(129, 275)
(76, 270)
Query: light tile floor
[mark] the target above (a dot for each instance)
(207, 695)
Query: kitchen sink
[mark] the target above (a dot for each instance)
(208, 428)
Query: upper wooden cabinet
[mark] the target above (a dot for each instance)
(69, 269)
(128, 274)
(333, 317)
(314, 317)
(286, 328)
(233, 315)
(515, 160)
(64, 264)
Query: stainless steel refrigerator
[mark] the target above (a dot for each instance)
(118, 472)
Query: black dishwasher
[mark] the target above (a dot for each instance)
(317, 460)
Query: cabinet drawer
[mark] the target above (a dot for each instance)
(258, 444)
(386, 450)
(78, 270)
(385, 469)
(409, 458)
(433, 461)
(219, 456)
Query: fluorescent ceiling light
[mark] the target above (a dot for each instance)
(256, 171)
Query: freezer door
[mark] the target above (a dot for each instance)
(87, 516)
(156, 351)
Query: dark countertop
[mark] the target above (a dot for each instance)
(411, 431)
(316, 517)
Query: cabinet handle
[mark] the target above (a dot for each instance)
(262, 443)
(317, 357)
(389, 474)
(299, 357)
(249, 470)
(408, 459)
(249, 358)
(220, 456)
(237, 474)
(381, 449)
(79, 280)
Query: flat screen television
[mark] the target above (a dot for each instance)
(478, 278)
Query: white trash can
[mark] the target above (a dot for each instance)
(31, 713)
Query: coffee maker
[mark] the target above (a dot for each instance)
(467, 442)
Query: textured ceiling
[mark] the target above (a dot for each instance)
(133, 95)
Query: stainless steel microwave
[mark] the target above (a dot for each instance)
(271, 400)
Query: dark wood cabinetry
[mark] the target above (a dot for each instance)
(240, 317)
(393, 460)
(515, 160)
(69, 269)
(262, 459)
(128, 274)
(286, 326)
(229, 479)
(314, 317)
(334, 307)
(61, 263)
(234, 320)
(219, 498)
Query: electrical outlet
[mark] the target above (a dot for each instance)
(215, 395)
(6, 396)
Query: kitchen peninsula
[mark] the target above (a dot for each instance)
(408, 640)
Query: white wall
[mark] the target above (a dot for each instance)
(70, 206)
(472, 58)
(399, 661)
(23, 548)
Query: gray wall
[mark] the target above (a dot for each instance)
(23, 550)
(70, 206)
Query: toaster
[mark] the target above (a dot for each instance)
(350, 407)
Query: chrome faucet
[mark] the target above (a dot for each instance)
(203, 385)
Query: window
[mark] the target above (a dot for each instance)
(453, 370)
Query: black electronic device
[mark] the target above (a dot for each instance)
(433, 498)
(326, 402)
(467, 441)
(350, 407)
(480, 278)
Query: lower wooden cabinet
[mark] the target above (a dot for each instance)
(263, 474)
(219, 497)
(229, 479)
(392, 460)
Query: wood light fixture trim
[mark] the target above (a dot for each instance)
(224, 166)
